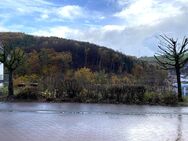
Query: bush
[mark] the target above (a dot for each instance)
(152, 98)
(112, 94)
(49, 95)
(185, 99)
(126, 94)
(90, 96)
(4, 90)
(27, 94)
(167, 98)
(72, 88)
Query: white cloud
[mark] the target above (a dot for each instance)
(113, 27)
(58, 31)
(70, 12)
(43, 9)
(113, 36)
(26, 6)
(44, 16)
(148, 12)
(132, 40)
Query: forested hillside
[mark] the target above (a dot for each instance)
(83, 54)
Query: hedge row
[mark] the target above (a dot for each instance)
(73, 91)
(102, 93)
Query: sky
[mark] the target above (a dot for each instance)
(128, 26)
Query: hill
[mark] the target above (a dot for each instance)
(84, 54)
(151, 60)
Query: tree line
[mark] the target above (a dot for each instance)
(83, 54)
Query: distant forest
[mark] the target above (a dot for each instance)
(83, 54)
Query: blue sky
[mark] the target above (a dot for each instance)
(129, 26)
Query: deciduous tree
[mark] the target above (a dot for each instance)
(172, 57)
(11, 57)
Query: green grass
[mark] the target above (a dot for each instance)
(185, 101)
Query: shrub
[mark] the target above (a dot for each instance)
(185, 99)
(49, 95)
(4, 90)
(167, 98)
(83, 96)
(72, 88)
(27, 94)
(113, 93)
(126, 94)
(152, 98)
(84, 75)
(90, 94)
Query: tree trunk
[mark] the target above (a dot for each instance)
(180, 99)
(10, 84)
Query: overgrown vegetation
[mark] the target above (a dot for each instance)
(61, 70)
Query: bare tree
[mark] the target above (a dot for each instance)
(172, 57)
(11, 57)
